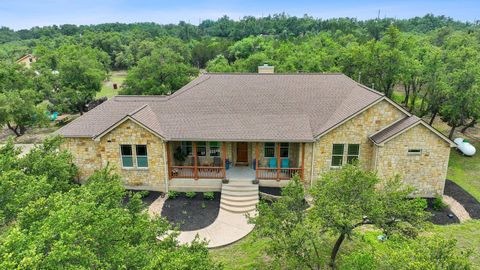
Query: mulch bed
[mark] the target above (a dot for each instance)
(441, 217)
(191, 214)
(463, 197)
(147, 200)
(271, 190)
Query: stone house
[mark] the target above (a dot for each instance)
(265, 126)
(27, 60)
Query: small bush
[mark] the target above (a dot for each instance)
(144, 193)
(172, 194)
(208, 195)
(438, 204)
(203, 205)
(190, 194)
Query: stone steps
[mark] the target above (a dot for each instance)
(239, 197)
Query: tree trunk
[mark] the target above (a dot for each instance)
(14, 129)
(407, 95)
(433, 117)
(469, 125)
(80, 109)
(335, 249)
(450, 135)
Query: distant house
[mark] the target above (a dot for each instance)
(27, 60)
(265, 126)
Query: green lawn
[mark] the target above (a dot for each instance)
(465, 171)
(248, 253)
(107, 87)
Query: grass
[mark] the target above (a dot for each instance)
(248, 253)
(465, 171)
(107, 87)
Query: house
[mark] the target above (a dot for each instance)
(27, 60)
(265, 126)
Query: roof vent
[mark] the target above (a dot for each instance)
(266, 69)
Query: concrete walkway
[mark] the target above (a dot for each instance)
(226, 229)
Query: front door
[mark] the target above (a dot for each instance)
(242, 152)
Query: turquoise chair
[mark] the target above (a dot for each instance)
(285, 163)
(272, 163)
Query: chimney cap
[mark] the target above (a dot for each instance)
(266, 69)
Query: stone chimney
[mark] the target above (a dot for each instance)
(266, 69)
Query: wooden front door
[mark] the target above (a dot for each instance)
(242, 152)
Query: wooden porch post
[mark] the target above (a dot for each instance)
(169, 161)
(256, 160)
(278, 161)
(224, 156)
(303, 162)
(195, 169)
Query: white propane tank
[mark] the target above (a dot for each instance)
(465, 147)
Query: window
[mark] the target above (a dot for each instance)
(414, 152)
(201, 149)
(337, 155)
(269, 150)
(353, 153)
(187, 148)
(284, 150)
(214, 149)
(142, 158)
(342, 153)
(127, 156)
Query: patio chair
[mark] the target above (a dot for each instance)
(272, 163)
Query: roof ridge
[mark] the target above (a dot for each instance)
(189, 86)
(137, 110)
(276, 73)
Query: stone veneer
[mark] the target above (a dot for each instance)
(355, 131)
(426, 171)
(91, 155)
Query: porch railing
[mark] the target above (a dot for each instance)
(278, 173)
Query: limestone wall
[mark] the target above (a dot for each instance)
(87, 158)
(426, 171)
(354, 131)
(91, 155)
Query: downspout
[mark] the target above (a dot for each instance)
(311, 164)
(165, 164)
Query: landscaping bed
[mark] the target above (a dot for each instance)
(148, 196)
(464, 198)
(441, 216)
(276, 191)
(191, 214)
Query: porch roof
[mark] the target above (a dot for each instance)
(237, 107)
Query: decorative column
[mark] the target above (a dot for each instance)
(278, 161)
(302, 172)
(169, 160)
(256, 160)
(224, 157)
(195, 158)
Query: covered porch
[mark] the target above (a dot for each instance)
(235, 160)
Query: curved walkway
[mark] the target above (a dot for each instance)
(456, 208)
(226, 229)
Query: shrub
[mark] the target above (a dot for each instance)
(438, 204)
(190, 194)
(172, 194)
(208, 195)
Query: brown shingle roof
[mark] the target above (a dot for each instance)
(395, 128)
(260, 107)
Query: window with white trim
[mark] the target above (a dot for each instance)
(344, 153)
(284, 150)
(269, 150)
(214, 149)
(201, 149)
(187, 148)
(141, 155)
(127, 156)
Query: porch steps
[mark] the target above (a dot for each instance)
(239, 196)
